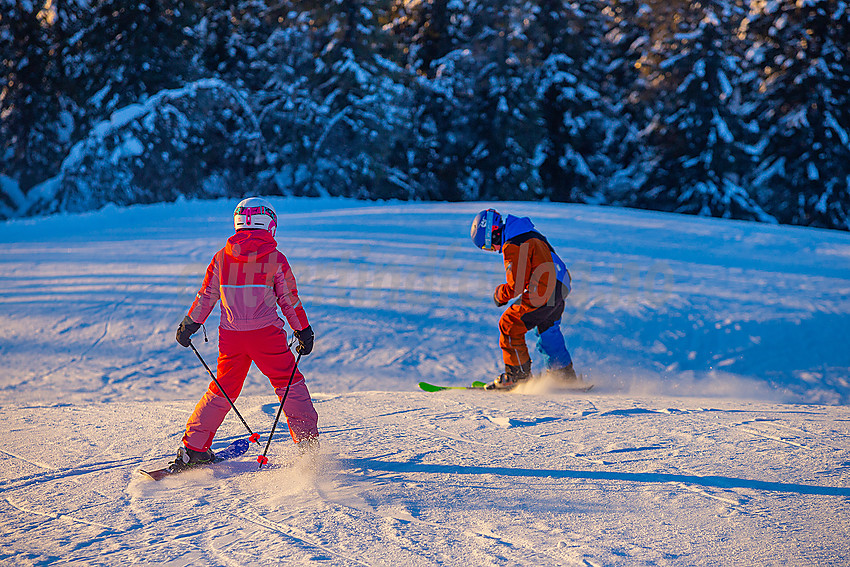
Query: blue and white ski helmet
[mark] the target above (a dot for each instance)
(486, 226)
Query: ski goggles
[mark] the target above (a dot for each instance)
(250, 211)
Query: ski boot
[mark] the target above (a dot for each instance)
(308, 446)
(188, 458)
(565, 374)
(308, 453)
(512, 376)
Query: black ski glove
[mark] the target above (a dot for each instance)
(305, 340)
(497, 302)
(186, 329)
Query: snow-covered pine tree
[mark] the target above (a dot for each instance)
(629, 28)
(801, 46)
(432, 39)
(228, 37)
(699, 132)
(361, 109)
(568, 57)
(629, 34)
(129, 51)
(496, 119)
(281, 63)
(199, 140)
(36, 111)
(437, 143)
(425, 32)
(141, 140)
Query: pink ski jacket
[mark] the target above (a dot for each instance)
(252, 278)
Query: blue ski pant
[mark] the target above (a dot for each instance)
(519, 319)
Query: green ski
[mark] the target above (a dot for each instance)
(432, 388)
(579, 386)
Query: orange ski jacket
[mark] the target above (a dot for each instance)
(532, 269)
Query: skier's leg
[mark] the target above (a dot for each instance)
(300, 414)
(512, 332)
(205, 421)
(272, 356)
(546, 320)
(514, 350)
(211, 409)
(553, 347)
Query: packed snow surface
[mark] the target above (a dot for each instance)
(718, 432)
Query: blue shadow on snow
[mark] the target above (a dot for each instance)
(659, 478)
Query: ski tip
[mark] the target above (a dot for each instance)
(241, 444)
(577, 387)
(430, 387)
(154, 475)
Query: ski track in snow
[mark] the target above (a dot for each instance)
(717, 434)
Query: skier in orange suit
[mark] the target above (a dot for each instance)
(540, 279)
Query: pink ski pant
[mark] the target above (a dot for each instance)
(268, 349)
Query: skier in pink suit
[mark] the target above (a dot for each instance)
(252, 279)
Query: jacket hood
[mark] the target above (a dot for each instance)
(514, 226)
(250, 245)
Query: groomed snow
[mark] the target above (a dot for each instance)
(718, 432)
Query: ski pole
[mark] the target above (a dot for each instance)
(262, 458)
(255, 437)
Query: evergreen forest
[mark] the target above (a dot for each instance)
(725, 108)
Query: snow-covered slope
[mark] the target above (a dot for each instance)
(710, 343)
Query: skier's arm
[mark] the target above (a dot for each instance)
(208, 295)
(286, 291)
(507, 291)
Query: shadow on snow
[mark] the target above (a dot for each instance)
(705, 481)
